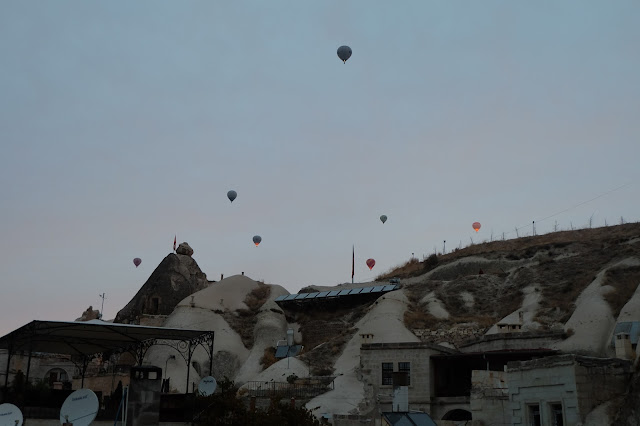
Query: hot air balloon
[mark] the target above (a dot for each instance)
(344, 53)
(231, 195)
(256, 240)
(476, 226)
(371, 263)
(383, 218)
(137, 261)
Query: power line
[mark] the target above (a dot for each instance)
(571, 208)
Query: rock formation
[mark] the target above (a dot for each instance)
(177, 277)
(185, 248)
(89, 314)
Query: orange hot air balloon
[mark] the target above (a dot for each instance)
(476, 226)
(371, 263)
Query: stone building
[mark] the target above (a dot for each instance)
(441, 379)
(379, 361)
(563, 389)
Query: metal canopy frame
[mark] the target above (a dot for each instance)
(88, 340)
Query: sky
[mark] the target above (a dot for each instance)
(125, 123)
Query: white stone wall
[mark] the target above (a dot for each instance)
(543, 386)
(578, 383)
(490, 397)
(421, 377)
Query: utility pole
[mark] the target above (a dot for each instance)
(102, 296)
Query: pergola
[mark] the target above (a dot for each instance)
(86, 340)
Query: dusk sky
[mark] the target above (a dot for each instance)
(124, 123)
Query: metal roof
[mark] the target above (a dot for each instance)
(337, 293)
(89, 337)
(632, 328)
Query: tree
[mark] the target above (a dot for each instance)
(225, 408)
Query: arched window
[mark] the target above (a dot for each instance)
(56, 375)
(457, 415)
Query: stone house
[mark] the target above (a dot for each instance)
(440, 378)
(561, 390)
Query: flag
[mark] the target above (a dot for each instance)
(174, 242)
(353, 261)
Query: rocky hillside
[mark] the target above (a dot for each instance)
(549, 282)
(573, 285)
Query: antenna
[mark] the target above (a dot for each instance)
(10, 415)
(80, 408)
(207, 386)
(102, 296)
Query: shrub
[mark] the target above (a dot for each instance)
(268, 358)
(256, 297)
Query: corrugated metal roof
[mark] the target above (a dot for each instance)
(334, 293)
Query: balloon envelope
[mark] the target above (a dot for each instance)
(371, 263)
(344, 53)
(137, 261)
(476, 226)
(231, 195)
(383, 218)
(256, 240)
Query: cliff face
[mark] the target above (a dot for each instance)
(177, 277)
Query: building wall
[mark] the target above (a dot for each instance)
(530, 385)
(105, 384)
(417, 354)
(490, 397)
(420, 386)
(578, 383)
(41, 364)
(508, 341)
(356, 420)
(598, 381)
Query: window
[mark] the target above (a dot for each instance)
(534, 415)
(556, 415)
(387, 373)
(405, 367)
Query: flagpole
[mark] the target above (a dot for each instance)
(353, 261)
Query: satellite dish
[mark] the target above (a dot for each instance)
(207, 386)
(80, 408)
(10, 415)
